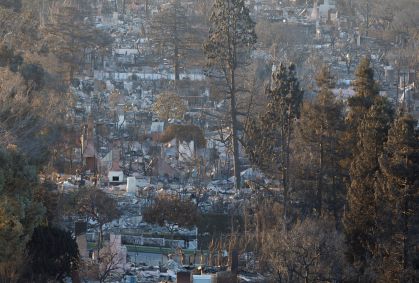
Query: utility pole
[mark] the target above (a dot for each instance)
(146, 8)
(368, 17)
(397, 85)
(42, 13)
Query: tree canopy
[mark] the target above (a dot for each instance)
(184, 133)
(97, 205)
(169, 105)
(19, 212)
(370, 117)
(170, 32)
(397, 189)
(230, 41)
(171, 210)
(52, 254)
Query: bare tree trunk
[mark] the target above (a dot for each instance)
(176, 62)
(235, 141)
(286, 137)
(320, 181)
(405, 234)
(177, 149)
(100, 240)
(405, 214)
(176, 51)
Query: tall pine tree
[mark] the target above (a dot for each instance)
(169, 31)
(366, 91)
(231, 39)
(368, 122)
(398, 192)
(320, 128)
(361, 212)
(268, 138)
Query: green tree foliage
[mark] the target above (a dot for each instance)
(231, 36)
(71, 36)
(397, 201)
(98, 206)
(170, 32)
(19, 213)
(23, 118)
(31, 90)
(171, 210)
(360, 216)
(9, 58)
(48, 194)
(368, 122)
(34, 76)
(213, 225)
(366, 92)
(231, 39)
(268, 140)
(318, 139)
(18, 27)
(52, 255)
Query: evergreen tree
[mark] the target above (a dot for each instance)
(98, 206)
(366, 91)
(19, 212)
(71, 36)
(320, 128)
(361, 213)
(231, 39)
(368, 121)
(268, 139)
(398, 192)
(169, 31)
(52, 254)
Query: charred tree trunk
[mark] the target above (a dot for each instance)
(234, 130)
(320, 181)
